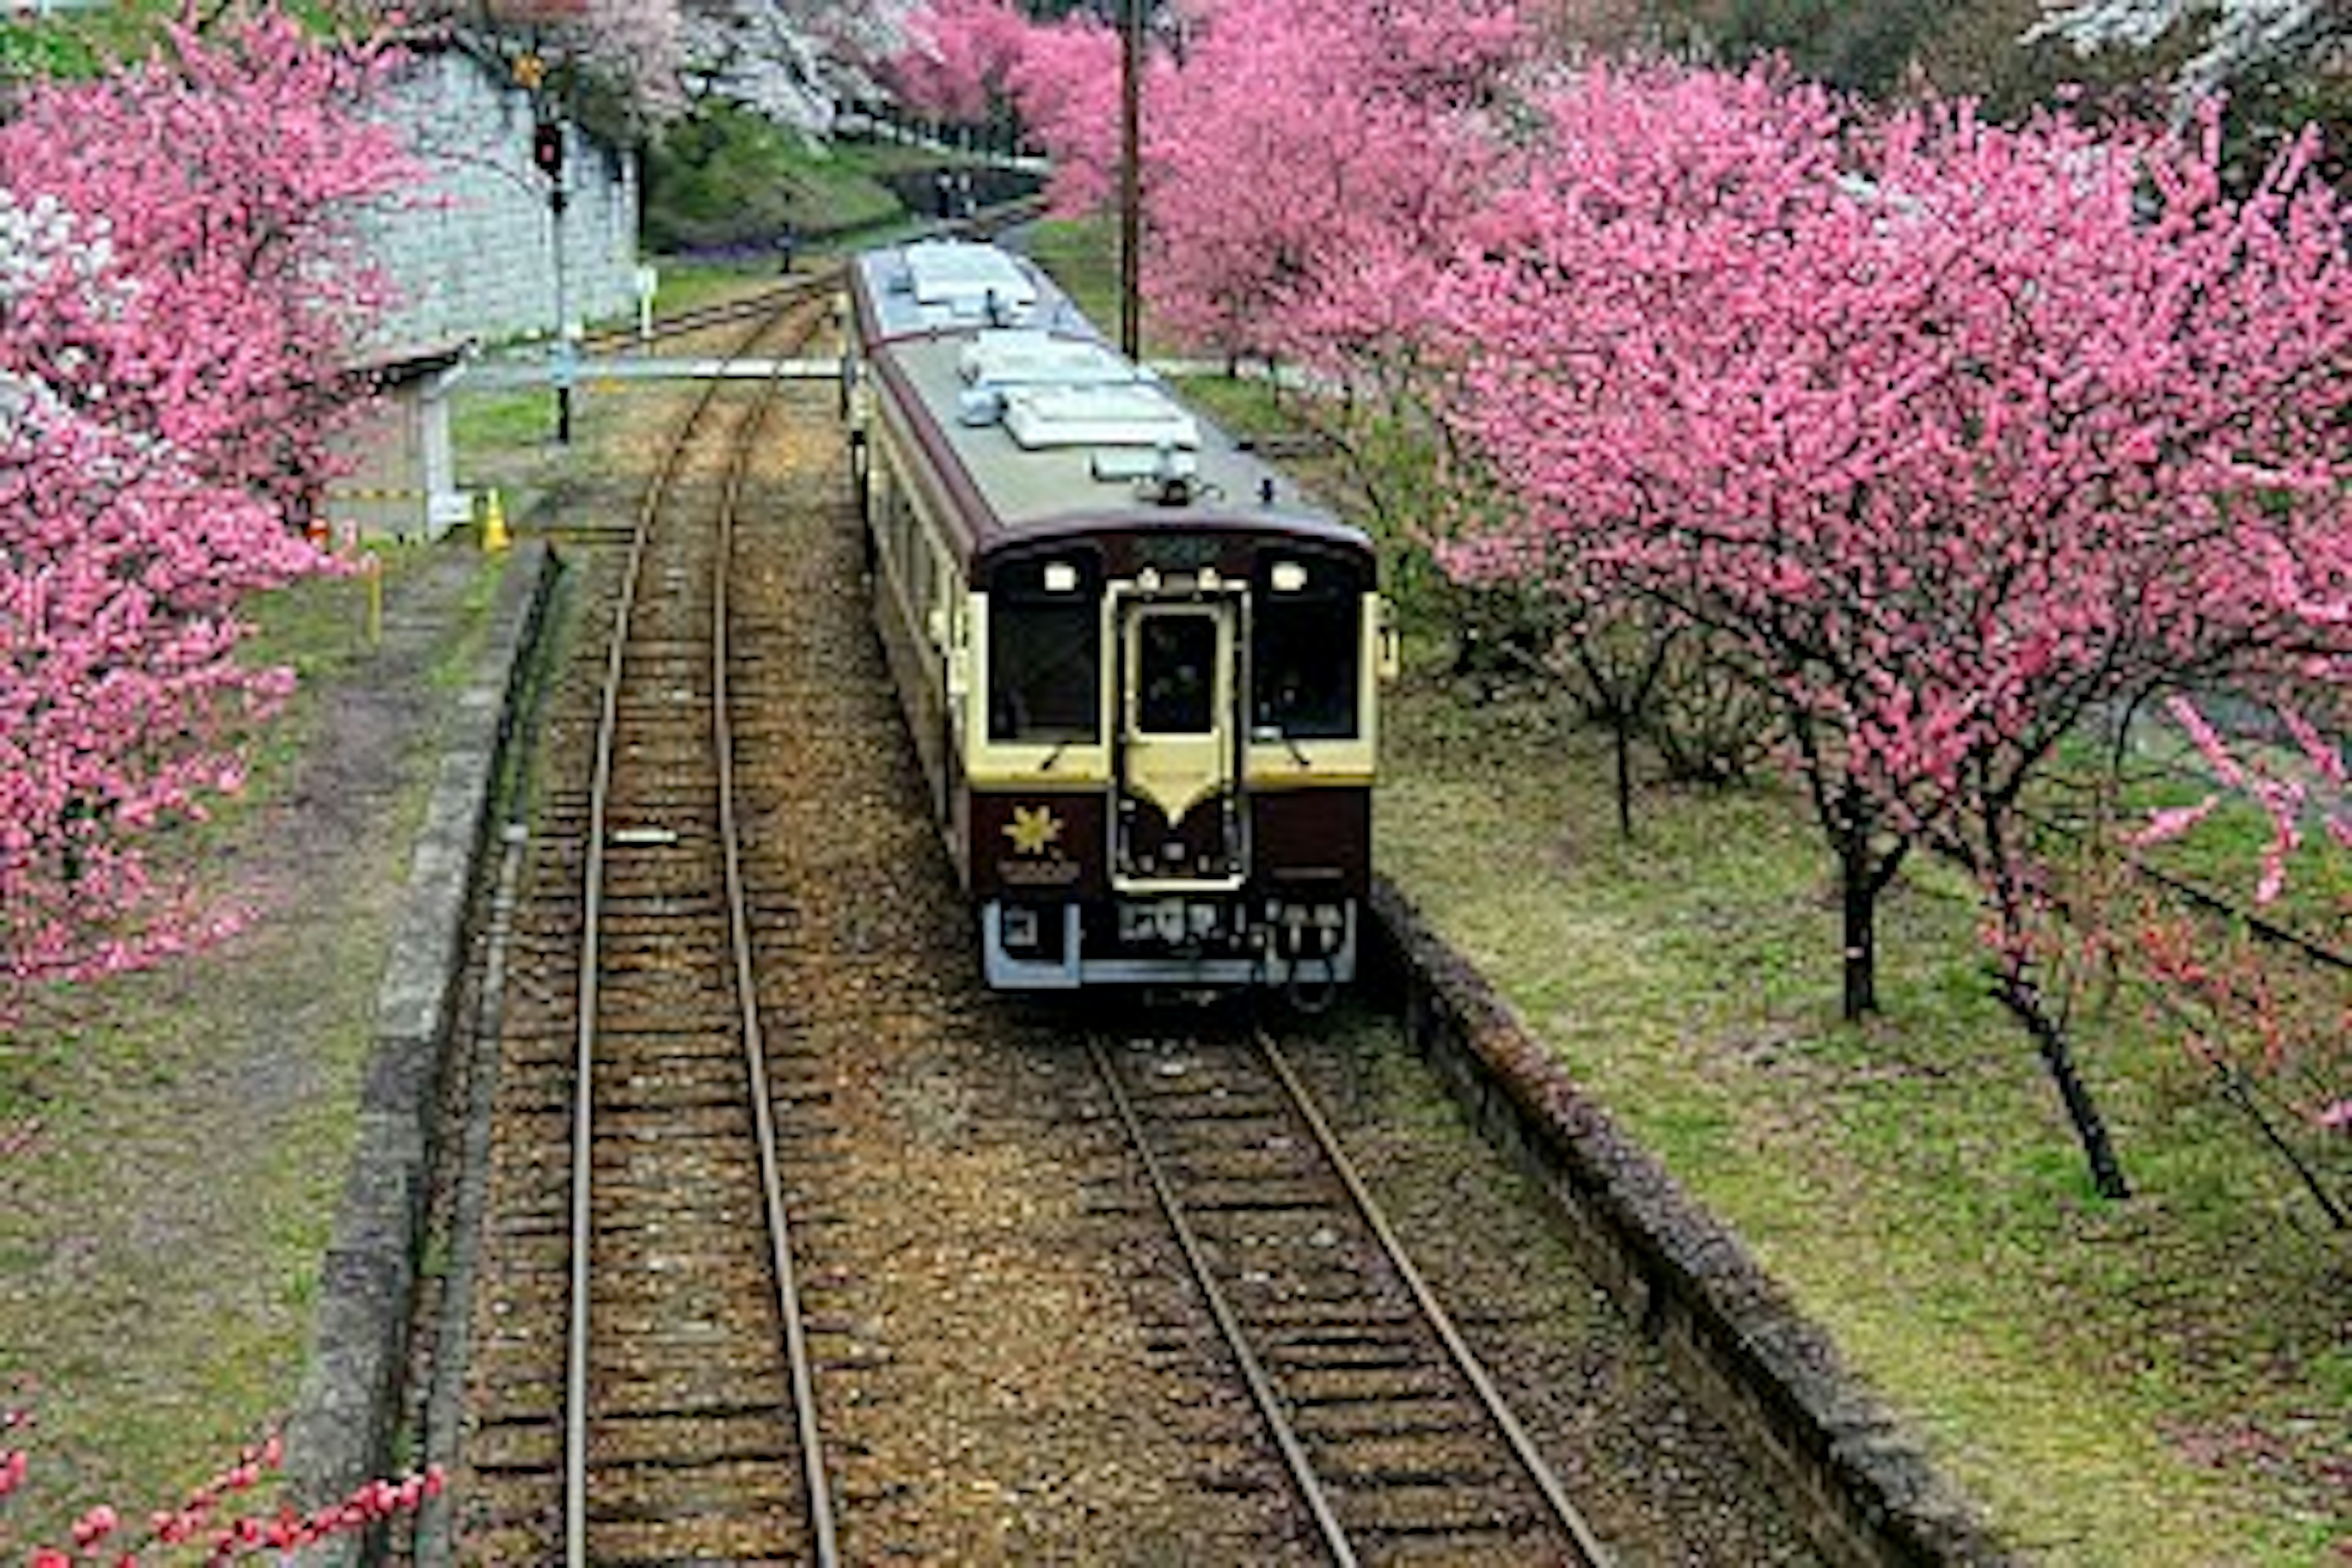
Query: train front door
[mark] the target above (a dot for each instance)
(1176, 818)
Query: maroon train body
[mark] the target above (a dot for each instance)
(1140, 669)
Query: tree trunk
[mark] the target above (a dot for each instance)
(1860, 945)
(1858, 885)
(2024, 998)
(1620, 727)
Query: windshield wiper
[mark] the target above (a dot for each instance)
(1276, 733)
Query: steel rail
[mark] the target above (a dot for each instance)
(1571, 1521)
(599, 787)
(781, 294)
(575, 1432)
(1261, 1385)
(755, 1054)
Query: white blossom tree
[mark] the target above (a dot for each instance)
(628, 48)
(2241, 36)
(794, 61)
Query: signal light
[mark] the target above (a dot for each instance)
(547, 148)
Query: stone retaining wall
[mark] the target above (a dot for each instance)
(471, 251)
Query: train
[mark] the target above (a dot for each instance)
(1140, 668)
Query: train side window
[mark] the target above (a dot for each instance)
(1044, 653)
(1305, 664)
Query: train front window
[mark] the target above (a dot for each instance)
(1304, 658)
(1176, 674)
(1044, 653)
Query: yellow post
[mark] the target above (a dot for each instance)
(494, 524)
(372, 568)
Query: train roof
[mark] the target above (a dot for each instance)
(1037, 426)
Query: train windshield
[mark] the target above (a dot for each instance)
(1176, 674)
(1044, 652)
(1306, 625)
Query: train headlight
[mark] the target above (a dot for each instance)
(1287, 576)
(1061, 577)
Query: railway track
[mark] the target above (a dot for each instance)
(677, 1402)
(822, 278)
(656, 1217)
(753, 308)
(1397, 1440)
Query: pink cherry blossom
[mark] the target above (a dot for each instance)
(180, 301)
(94, 1525)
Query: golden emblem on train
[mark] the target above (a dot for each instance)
(1034, 829)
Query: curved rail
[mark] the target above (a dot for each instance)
(761, 305)
(576, 1378)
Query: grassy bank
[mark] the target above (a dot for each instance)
(2164, 1381)
(173, 1143)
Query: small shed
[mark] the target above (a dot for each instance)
(403, 483)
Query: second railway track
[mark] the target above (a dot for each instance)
(677, 1424)
(1396, 1439)
(688, 1426)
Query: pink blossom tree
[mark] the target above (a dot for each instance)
(1066, 85)
(176, 307)
(1312, 163)
(1960, 434)
(959, 58)
(120, 699)
(1304, 159)
(216, 175)
(2263, 1009)
(1955, 436)
(209, 1518)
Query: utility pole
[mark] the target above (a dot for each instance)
(1130, 179)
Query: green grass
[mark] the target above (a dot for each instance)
(1082, 255)
(687, 285)
(495, 420)
(2222, 855)
(724, 178)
